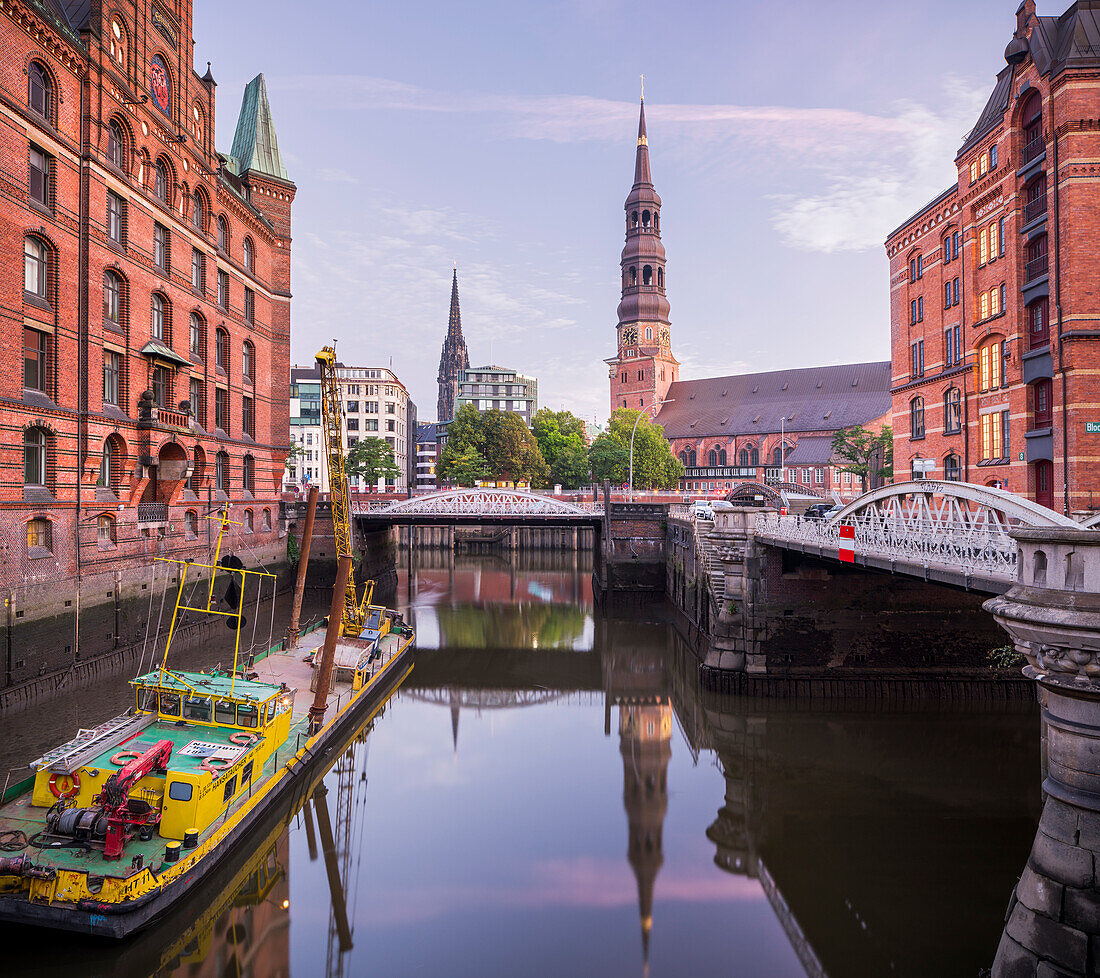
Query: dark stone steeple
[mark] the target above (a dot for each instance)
(452, 360)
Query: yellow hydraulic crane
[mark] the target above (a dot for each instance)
(332, 425)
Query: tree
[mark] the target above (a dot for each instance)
(570, 468)
(372, 459)
(655, 467)
(466, 466)
(865, 453)
(609, 458)
(511, 450)
(556, 431)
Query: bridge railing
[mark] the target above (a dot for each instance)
(985, 548)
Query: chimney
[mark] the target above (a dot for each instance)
(1025, 17)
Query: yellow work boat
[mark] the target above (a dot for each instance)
(114, 828)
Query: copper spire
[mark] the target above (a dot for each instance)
(453, 358)
(642, 175)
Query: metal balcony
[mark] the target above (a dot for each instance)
(152, 512)
(1033, 149)
(1035, 209)
(1035, 268)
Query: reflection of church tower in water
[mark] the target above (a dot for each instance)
(645, 733)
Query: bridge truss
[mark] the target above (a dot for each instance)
(488, 503)
(959, 529)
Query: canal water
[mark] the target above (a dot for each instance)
(552, 793)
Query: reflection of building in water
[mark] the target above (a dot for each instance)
(645, 732)
(248, 933)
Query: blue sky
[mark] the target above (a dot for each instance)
(786, 142)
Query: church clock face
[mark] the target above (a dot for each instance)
(630, 336)
(666, 339)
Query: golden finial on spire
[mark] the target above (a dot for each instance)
(643, 87)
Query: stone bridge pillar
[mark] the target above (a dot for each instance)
(1052, 614)
(739, 629)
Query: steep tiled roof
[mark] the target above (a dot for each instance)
(994, 110)
(811, 398)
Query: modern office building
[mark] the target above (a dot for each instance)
(376, 405)
(491, 388)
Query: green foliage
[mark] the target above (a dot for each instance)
(865, 453)
(496, 445)
(464, 466)
(372, 459)
(293, 551)
(1006, 657)
(570, 468)
(655, 467)
(555, 432)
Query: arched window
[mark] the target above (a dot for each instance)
(1031, 122)
(35, 267)
(160, 181)
(198, 469)
(249, 523)
(223, 234)
(39, 89)
(158, 316)
(633, 275)
(952, 411)
(649, 334)
(660, 278)
(684, 457)
(916, 417)
(112, 298)
(1036, 263)
(197, 334)
(198, 129)
(990, 364)
(248, 473)
(692, 458)
(712, 457)
(248, 357)
(34, 456)
(221, 472)
(647, 275)
(267, 519)
(1038, 324)
(39, 534)
(780, 453)
(198, 209)
(117, 42)
(1043, 404)
(116, 144)
(634, 219)
(221, 349)
(1035, 198)
(749, 456)
(191, 524)
(111, 463)
(106, 535)
(951, 468)
(656, 221)
(721, 455)
(246, 253)
(645, 219)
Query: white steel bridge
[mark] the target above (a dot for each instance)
(481, 506)
(950, 532)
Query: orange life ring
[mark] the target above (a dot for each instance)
(243, 738)
(124, 756)
(207, 764)
(73, 788)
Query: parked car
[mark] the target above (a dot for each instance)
(701, 510)
(831, 512)
(817, 511)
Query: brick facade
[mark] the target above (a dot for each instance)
(995, 301)
(153, 267)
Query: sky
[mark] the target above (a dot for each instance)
(786, 140)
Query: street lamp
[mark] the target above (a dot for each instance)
(641, 414)
(783, 419)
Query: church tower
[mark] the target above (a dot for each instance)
(643, 368)
(452, 360)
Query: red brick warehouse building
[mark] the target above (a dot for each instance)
(144, 377)
(995, 296)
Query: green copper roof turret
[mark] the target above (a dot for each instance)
(254, 144)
